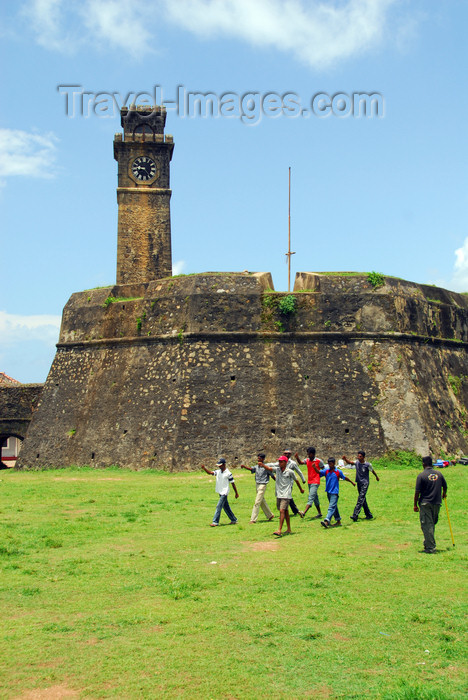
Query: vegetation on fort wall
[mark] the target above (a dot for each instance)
(278, 309)
(288, 305)
(115, 300)
(114, 585)
(456, 382)
(376, 279)
(399, 460)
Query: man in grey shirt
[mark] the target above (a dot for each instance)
(262, 477)
(284, 482)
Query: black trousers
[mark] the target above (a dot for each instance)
(294, 508)
(362, 487)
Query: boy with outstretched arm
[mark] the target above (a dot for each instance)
(262, 477)
(285, 479)
(362, 481)
(224, 479)
(332, 488)
(314, 465)
(293, 465)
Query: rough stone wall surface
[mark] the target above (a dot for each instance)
(181, 370)
(144, 240)
(17, 404)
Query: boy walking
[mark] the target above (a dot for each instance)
(224, 479)
(332, 487)
(284, 482)
(262, 477)
(314, 465)
(293, 465)
(362, 481)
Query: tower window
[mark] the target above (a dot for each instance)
(144, 130)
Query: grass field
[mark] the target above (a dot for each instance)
(113, 585)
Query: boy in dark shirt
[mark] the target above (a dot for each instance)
(362, 482)
(431, 487)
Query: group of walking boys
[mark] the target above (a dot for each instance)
(284, 471)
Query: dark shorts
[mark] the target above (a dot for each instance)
(282, 503)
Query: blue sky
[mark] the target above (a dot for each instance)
(385, 193)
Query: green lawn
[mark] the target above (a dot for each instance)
(113, 585)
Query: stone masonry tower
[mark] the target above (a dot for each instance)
(143, 153)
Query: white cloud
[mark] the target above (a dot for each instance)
(26, 153)
(27, 345)
(15, 328)
(178, 267)
(120, 23)
(65, 26)
(46, 17)
(460, 272)
(458, 281)
(317, 33)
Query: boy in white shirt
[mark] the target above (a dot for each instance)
(224, 479)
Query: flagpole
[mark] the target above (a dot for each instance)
(289, 253)
(289, 234)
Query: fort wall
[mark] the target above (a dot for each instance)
(179, 371)
(17, 404)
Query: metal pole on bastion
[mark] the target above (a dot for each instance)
(289, 253)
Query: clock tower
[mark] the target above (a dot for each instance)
(143, 154)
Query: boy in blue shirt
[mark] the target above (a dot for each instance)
(332, 488)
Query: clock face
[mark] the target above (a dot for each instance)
(144, 169)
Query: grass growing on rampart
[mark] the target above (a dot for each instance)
(113, 585)
(117, 300)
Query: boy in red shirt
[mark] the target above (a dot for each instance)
(314, 465)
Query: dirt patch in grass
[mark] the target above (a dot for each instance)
(55, 692)
(92, 641)
(262, 546)
(80, 478)
(51, 664)
(322, 691)
(341, 638)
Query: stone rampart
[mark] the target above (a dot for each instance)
(17, 404)
(175, 372)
